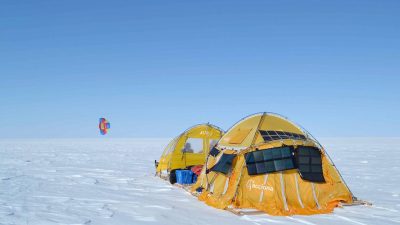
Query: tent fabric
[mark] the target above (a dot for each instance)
(281, 193)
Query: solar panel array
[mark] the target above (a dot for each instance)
(270, 160)
(270, 135)
(307, 160)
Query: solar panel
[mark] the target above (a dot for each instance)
(270, 135)
(309, 163)
(214, 151)
(224, 164)
(270, 160)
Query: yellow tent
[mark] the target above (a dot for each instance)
(188, 149)
(268, 163)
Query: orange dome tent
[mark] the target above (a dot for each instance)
(267, 163)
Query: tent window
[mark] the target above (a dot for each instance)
(310, 164)
(270, 160)
(193, 145)
(224, 164)
(271, 135)
(170, 147)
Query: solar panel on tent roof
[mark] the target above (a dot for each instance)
(271, 135)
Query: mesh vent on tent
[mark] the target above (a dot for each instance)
(270, 160)
(310, 164)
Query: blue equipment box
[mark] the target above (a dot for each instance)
(185, 177)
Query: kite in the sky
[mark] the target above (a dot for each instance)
(104, 125)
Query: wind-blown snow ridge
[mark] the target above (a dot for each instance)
(111, 181)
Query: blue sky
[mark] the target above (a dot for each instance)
(154, 68)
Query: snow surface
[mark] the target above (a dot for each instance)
(111, 181)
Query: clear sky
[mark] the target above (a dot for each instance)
(154, 68)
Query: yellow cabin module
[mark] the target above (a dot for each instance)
(190, 148)
(270, 164)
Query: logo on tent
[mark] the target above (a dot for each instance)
(252, 185)
(205, 133)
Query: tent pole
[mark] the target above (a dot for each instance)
(258, 127)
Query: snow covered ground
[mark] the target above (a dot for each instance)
(110, 181)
